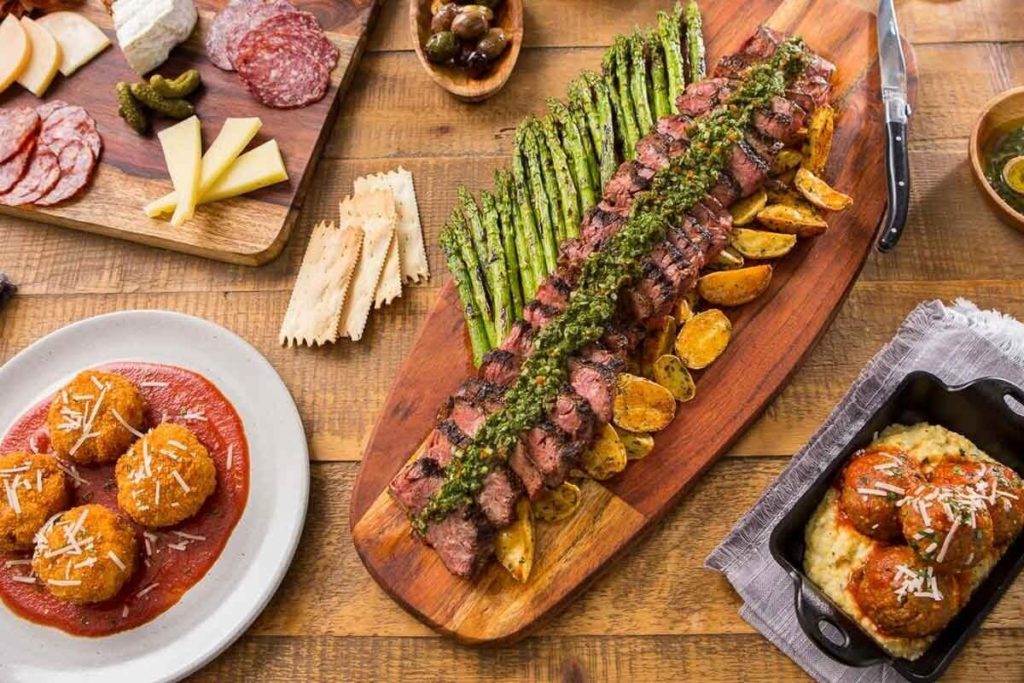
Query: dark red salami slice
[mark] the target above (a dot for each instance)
(12, 170)
(17, 127)
(236, 20)
(280, 71)
(305, 27)
(69, 122)
(76, 162)
(42, 174)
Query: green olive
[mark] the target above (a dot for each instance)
(492, 44)
(441, 47)
(442, 20)
(470, 25)
(482, 9)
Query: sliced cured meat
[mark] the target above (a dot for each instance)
(76, 162)
(306, 28)
(280, 72)
(234, 22)
(12, 170)
(17, 126)
(62, 124)
(42, 174)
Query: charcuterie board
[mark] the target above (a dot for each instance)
(770, 337)
(250, 230)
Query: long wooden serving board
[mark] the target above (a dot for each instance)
(250, 230)
(771, 336)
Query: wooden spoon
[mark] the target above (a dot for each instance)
(455, 80)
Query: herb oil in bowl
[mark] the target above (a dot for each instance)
(1005, 168)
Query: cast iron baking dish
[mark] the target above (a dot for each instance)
(980, 412)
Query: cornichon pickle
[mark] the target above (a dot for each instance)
(128, 109)
(182, 86)
(175, 108)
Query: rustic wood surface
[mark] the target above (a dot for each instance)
(657, 615)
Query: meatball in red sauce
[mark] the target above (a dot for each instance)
(947, 526)
(999, 485)
(871, 484)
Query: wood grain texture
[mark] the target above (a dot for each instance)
(251, 229)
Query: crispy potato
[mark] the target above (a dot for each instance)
(792, 220)
(607, 457)
(686, 306)
(758, 244)
(820, 193)
(786, 161)
(745, 210)
(727, 259)
(641, 405)
(554, 505)
(734, 287)
(703, 339)
(638, 445)
(514, 544)
(670, 373)
(658, 342)
(819, 138)
(786, 197)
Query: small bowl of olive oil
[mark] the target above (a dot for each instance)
(997, 155)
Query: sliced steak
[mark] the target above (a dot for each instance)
(554, 292)
(595, 383)
(531, 479)
(464, 540)
(519, 340)
(551, 453)
(573, 415)
(600, 224)
(416, 484)
(653, 151)
(783, 121)
(540, 315)
(747, 168)
(726, 190)
(500, 367)
(497, 498)
(701, 97)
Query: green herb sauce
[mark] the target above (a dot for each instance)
(675, 190)
(1009, 146)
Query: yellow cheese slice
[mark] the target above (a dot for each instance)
(42, 67)
(235, 136)
(15, 51)
(183, 151)
(80, 40)
(252, 171)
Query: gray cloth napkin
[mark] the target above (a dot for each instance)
(958, 343)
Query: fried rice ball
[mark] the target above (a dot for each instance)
(85, 555)
(35, 489)
(89, 418)
(870, 486)
(1001, 487)
(947, 526)
(165, 477)
(902, 595)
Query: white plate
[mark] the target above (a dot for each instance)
(217, 610)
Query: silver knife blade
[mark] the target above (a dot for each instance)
(892, 63)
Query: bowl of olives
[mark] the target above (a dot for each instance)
(468, 47)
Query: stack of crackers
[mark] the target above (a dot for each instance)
(358, 265)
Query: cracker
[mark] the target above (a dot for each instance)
(375, 213)
(412, 252)
(320, 288)
(389, 287)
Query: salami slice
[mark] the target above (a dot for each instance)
(69, 122)
(280, 71)
(12, 170)
(17, 126)
(76, 162)
(305, 27)
(42, 174)
(234, 22)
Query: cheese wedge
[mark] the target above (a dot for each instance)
(80, 40)
(15, 51)
(235, 136)
(42, 67)
(183, 151)
(252, 171)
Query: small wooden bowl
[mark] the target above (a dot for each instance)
(455, 80)
(1000, 115)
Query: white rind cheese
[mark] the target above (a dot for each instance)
(147, 30)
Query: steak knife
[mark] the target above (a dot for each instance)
(893, 66)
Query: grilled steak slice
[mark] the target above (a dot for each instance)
(726, 190)
(554, 292)
(747, 168)
(783, 121)
(677, 129)
(766, 148)
(653, 151)
(630, 179)
(701, 97)
(467, 417)
(539, 315)
(594, 382)
(416, 484)
(500, 367)
(758, 47)
(497, 498)
(599, 225)
(463, 540)
(531, 479)
(520, 339)
(551, 453)
(573, 415)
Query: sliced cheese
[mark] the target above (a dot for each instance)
(80, 40)
(183, 151)
(46, 56)
(235, 136)
(15, 51)
(252, 171)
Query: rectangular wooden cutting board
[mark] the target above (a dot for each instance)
(770, 337)
(250, 230)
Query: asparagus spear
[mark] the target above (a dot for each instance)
(638, 83)
(659, 78)
(478, 337)
(696, 59)
(602, 114)
(580, 100)
(550, 177)
(501, 290)
(671, 40)
(507, 230)
(563, 174)
(619, 66)
(511, 223)
(525, 217)
(463, 241)
(579, 165)
(541, 205)
(476, 230)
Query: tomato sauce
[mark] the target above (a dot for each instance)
(171, 560)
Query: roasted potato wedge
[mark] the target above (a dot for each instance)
(670, 373)
(786, 161)
(820, 193)
(703, 339)
(638, 445)
(786, 197)
(734, 287)
(514, 545)
(658, 342)
(792, 220)
(727, 259)
(745, 210)
(819, 139)
(641, 405)
(686, 306)
(554, 505)
(607, 457)
(760, 244)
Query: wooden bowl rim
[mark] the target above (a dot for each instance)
(975, 154)
(502, 71)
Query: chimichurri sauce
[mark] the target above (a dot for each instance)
(1009, 146)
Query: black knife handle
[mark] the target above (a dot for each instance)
(899, 185)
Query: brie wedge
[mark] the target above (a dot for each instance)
(147, 30)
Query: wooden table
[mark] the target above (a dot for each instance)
(656, 615)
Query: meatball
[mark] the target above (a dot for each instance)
(165, 477)
(86, 554)
(947, 526)
(999, 485)
(871, 484)
(35, 489)
(95, 418)
(903, 596)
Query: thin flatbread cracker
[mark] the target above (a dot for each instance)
(412, 252)
(375, 213)
(389, 287)
(319, 294)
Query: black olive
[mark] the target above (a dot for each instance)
(477, 63)
(470, 25)
(493, 44)
(443, 18)
(441, 47)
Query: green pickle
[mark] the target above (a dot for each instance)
(172, 107)
(129, 109)
(182, 86)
